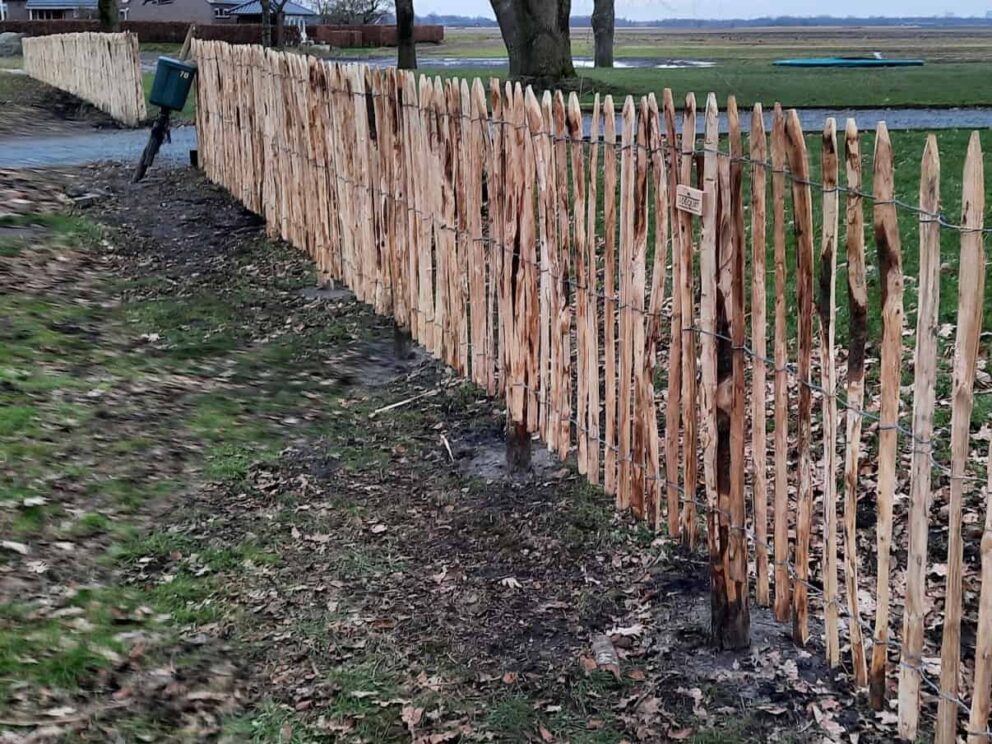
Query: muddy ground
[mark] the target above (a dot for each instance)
(211, 531)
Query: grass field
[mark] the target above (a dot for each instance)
(956, 72)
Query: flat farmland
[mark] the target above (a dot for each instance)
(957, 70)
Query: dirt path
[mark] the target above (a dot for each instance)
(215, 535)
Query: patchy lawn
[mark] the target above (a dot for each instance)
(211, 531)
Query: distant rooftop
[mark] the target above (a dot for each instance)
(60, 4)
(254, 7)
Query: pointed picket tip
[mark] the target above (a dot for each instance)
(851, 128)
(628, 106)
(712, 107)
(931, 157)
(478, 89)
(594, 125)
(829, 129)
(973, 162)
(574, 117)
(609, 120)
(882, 138)
(757, 122)
(534, 119)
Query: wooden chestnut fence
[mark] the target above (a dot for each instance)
(569, 264)
(103, 69)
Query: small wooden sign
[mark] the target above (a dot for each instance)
(689, 199)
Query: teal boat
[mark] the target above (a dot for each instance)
(876, 61)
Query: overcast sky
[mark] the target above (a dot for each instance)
(652, 9)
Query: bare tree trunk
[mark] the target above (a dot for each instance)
(109, 16)
(537, 38)
(407, 48)
(266, 23)
(603, 17)
(279, 21)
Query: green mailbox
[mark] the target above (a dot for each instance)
(173, 79)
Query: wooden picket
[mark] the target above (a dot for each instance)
(554, 262)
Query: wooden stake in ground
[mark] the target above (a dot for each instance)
(657, 301)
(738, 553)
(803, 224)
(925, 369)
(562, 273)
(759, 441)
(978, 721)
(687, 303)
(971, 295)
(708, 319)
(581, 292)
(890, 277)
(782, 602)
(857, 298)
(609, 291)
(736, 622)
(643, 400)
(543, 153)
(827, 306)
(592, 311)
(674, 402)
(625, 348)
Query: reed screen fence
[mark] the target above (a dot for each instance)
(102, 69)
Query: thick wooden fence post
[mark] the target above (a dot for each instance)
(857, 298)
(971, 295)
(890, 274)
(925, 370)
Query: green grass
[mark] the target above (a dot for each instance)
(957, 64)
(63, 364)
